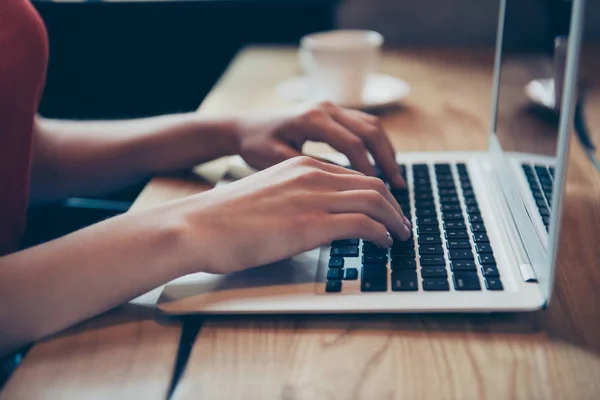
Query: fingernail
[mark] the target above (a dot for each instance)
(407, 232)
(390, 240)
(406, 222)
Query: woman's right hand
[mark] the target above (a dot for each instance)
(282, 211)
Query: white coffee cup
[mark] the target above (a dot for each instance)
(338, 62)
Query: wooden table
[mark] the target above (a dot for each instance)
(546, 354)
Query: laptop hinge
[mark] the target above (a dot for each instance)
(511, 231)
(527, 273)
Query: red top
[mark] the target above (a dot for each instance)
(23, 60)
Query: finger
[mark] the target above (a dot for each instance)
(344, 226)
(344, 183)
(371, 132)
(372, 204)
(323, 165)
(340, 138)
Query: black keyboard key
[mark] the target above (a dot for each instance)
(431, 249)
(423, 196)
(460, 255)
(466, 185)
(409, 243)
(481, 237)
(422, 221)
(444, 178)
(540, 203)
(537, 194)
(493, 284)
(457, 235)
(344, 251)
(435, 284)
(400, 192)
(458, 244)
(345, 242)
(335, 273)
(466, 281)
(490, 271)
(469, 194)
(422, 181)
(451, 208)
(424, 204)
(470, 202)
(453, 216)
(473, 209)
(350, 274)
(432, 261)
(546, 220)
(372, 248)
(475, 217)
(483, 248)
(478, 227)
(463, 265)
(375, 259)
(374, 279)
(404, 281)
(426, 212)
(429, 230)
(544, 212)
(454, 225)
(429, 239)
(336, 262)
(447, 192)
(446, 185)
(403, 252)
(527, 169)
(434, 272)
(448, 199)
(404, 263)
(333, 286)
(551, 169)
(487, 258)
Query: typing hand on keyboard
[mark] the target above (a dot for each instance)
(267, 139)
(285, 210)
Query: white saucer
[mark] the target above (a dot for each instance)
(541, 92)
(380, 91)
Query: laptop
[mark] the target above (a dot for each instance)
(485, 224)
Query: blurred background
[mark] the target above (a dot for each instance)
(123, 59)
(115, 59)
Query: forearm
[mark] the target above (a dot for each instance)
(84, 158)
(55, 285)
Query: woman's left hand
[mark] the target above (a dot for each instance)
(267, 139)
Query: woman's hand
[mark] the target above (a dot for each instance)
(269, 138)
(293, 207)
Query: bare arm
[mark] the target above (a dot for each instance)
(85, 158)
(54, 285)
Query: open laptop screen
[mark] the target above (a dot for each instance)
(530, 130)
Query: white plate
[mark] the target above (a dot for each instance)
(380, 91)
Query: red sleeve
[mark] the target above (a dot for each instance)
(23, 60)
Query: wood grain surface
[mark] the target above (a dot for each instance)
(128, 353)
(550, 354)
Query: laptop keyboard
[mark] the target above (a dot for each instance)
(541, 181)
(450, 251)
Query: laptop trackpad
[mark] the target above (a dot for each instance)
(251, 290)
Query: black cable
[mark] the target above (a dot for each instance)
(190, 327)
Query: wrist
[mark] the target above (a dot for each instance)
(225, 133)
